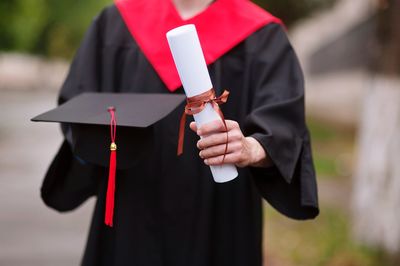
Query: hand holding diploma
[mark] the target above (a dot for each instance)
(242, 151)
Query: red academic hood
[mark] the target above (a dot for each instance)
(223, 25)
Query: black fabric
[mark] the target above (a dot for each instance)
(168, 210)
(69, 181)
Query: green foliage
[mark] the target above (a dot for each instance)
(48, 27)
(55, 27)
(21, 22)
(67, 24)
(333, 147)
(325, 166)
(324, 241)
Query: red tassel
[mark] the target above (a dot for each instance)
(111, 188)
(109, 213)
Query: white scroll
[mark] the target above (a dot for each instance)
(190, 63)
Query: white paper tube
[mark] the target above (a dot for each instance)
(191, 65)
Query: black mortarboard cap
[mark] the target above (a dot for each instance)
(88, 117)
(94, 119)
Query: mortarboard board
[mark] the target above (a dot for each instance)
(89, 120)
(93, 117)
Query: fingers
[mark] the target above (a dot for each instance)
(218, 150)
(213, 143)
(230, 158)
(219, 138)
(216, 126)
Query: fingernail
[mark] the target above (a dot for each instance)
(206, 161)
(200, 155)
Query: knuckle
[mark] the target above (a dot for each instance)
(231, 124)
(232, 146)
(235, 134)
(238, 145)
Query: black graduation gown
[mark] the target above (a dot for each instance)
(168, 209)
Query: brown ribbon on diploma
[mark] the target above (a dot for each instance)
(195, 105)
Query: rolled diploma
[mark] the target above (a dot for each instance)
(190, 63)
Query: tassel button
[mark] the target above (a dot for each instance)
(113, 146)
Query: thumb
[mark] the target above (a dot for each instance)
(193, 126)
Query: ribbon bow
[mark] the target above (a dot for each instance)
(195, 105)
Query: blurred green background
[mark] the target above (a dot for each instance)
(47, 27)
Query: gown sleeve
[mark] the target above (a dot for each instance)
(70, 181)
(277, 122)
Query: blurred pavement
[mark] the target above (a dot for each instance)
(30, 233)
